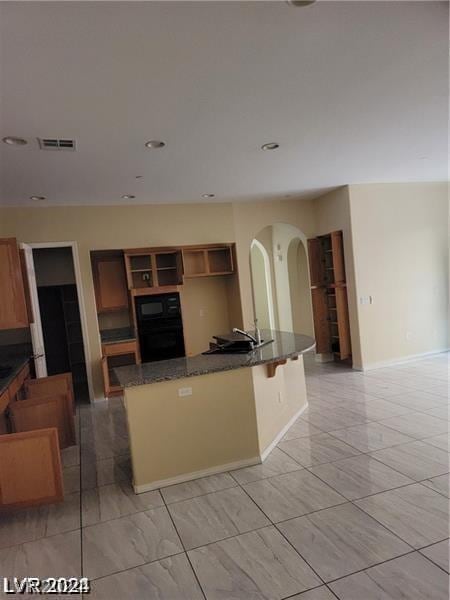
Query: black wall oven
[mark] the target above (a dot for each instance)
(160, 327)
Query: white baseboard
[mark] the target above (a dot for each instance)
(271, 446)
(400, 360)
(154, 485)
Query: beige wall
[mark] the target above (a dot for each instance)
(299, 285)
(231, 419)
(205, 311)
(260, 269)
(96, 228)
(400, 244)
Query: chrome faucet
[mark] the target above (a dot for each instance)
(250, 337)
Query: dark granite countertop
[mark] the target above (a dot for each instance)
(285, 345)
(114, 336)
(16, 357)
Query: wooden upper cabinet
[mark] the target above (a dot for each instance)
(205, 261)
(316, 262)
(13, 308)
(110, 281)
(151, 270)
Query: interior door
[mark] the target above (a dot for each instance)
(37, 337)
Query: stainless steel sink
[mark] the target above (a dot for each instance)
(235, 347)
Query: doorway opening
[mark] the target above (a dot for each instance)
(280, 278)
(59, 334)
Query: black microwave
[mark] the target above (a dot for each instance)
(158, 306)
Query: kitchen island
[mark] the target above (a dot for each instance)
(196, 416)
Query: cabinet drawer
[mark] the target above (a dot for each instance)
(119, 348)
(4, 401)
(18, 382)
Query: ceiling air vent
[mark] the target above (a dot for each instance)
(56, 144)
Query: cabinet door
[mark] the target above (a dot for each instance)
(48, 386)
(111, 290)
(43, 413)
(30, 469)
(13, 309)
(337, 248)
(316, 265)
(321, 323)
(345, 348)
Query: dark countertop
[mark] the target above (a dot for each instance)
(114, 336)
(15, 356)
(285, 345)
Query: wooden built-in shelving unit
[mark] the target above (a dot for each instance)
(329, 295)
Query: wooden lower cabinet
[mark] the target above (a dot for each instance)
(53, 384)
(43, 413)
(30, 469)
(117, 355)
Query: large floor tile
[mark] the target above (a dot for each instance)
(114, 501)
(439, 554)
(375, 409)
(320, 593)
(439, 484)
(415, 513)
(341, 540)
(381, 389)
(128, 542)
(417, 425)
(256, 565)
(440, 441)
(55, 556)
(276, 463)
(292, 495)
(197, 487)
(167, 579)
(216, 516)
(371, 436)
(359, 476)
(441, 412)
(410, 577)
(418, 400)
(301, 429)
(333, 418)
(417, 460)
(37, 522)
(103, 472)
(318, 449)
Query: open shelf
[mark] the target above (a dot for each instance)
(207, 261)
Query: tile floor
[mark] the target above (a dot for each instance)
(353, 504)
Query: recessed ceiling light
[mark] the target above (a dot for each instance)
(128, 196)
(14, 141)
(38, 198)
(155, 144)
(208, 195)
(270, 146)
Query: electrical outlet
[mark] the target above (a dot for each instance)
(202, 312)
(185, 391)
(409, 335)
(280, 398)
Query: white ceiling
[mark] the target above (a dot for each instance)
(352, 91)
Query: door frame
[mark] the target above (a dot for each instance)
(268, 277)
(81, 304)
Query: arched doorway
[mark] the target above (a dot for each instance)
(280, 279)
(262, 285)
